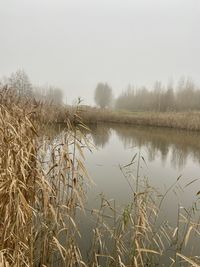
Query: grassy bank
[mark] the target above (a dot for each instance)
(179, 120)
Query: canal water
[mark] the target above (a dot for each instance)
(168, 160)
(124, 157)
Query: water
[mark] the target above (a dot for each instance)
(167, 157)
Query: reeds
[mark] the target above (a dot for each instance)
(187, 120)
(39, 195)
(18, 177)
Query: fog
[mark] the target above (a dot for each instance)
(74, 44)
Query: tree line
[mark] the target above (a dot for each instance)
(20, 82)
(184, 96)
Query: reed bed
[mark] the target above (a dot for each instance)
(39, 195)
(42, 197)
(188, 120)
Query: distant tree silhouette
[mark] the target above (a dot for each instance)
(50, 94)
(19, 81)
(184, 96)
(103, 95)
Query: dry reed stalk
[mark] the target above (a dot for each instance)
(17, 183)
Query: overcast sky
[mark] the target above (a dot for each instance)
(74, 44)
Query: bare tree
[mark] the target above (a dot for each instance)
(50, 94)
(54, 95)
(19, 81)
(186, 96)
(103, 95)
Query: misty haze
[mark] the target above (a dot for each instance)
(99, 133)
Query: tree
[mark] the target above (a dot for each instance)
(54, 95)
(103, 95)
(49, 94)
(19, 81)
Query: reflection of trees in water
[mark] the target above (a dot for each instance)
(179, 157)
(100, 135)
(161, 141)
(153, 150)
(179, 145)
(51, 131)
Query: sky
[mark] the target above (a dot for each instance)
(74, 44)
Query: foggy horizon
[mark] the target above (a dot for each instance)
(76, 44)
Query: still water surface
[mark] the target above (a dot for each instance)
(166, 155)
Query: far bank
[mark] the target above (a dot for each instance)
(187, 120)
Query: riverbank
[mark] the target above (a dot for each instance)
(189, 120)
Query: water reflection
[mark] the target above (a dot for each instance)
(178, 145)
(174, 149)
(100, 135)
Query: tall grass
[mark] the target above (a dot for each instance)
(19, 177)
(188, 120)
(39, 195)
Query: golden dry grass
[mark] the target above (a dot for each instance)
(188, 120)
(38, 198)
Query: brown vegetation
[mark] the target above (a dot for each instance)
(39, 195)
(180, 120)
